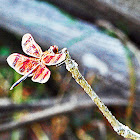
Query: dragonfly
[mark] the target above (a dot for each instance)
(35, 66)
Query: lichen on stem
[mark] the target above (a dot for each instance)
(121, 129)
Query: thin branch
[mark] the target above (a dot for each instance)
(41, 115)
(132, 71)
(52, 110)
(121, 129)
(102, 129)
(8, 106)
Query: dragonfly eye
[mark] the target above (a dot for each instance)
(55, 49)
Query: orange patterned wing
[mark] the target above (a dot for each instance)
(42, 74)
(30, 47)
(21, 63)
(52, 58)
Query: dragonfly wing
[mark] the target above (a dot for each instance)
(42, 74)
(53, 59)
(21, 63)
(30, 47)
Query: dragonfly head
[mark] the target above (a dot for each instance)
(53, 49)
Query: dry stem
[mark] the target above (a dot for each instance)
(121, 129)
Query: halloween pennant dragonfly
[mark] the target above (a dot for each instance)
(35, 66)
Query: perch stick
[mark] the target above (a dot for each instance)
(121, 129)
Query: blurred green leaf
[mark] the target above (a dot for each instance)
(4, 50)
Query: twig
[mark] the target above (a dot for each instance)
(121, 129)
(132, 72)
(7, 106)
(39, 116)
(102, 129)
(66, 107)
